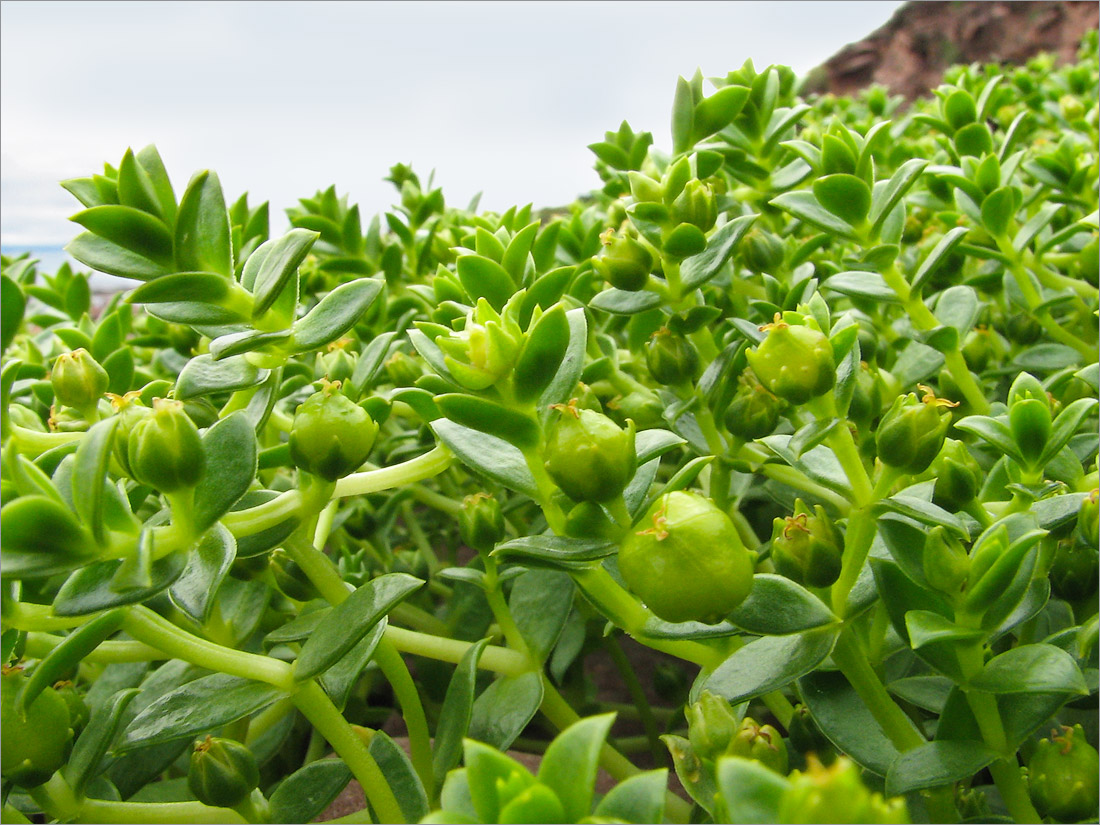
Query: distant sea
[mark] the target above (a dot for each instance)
(50, 259)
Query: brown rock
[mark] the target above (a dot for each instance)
(911, 51)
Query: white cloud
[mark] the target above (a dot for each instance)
(285, 98)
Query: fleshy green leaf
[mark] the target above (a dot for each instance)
(769, 663)
(335, 314)
(350, 620)
(937, 763)
(303, 795)
(502, 712)
(202, 240)
(454, 717)
(777, 606)
(202, 705)
(569, 765)
(1034, 668)
(207, 564)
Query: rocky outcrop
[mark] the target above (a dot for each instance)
(910, 52)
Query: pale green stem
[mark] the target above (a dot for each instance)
(430, 464)
(314, 703)
(146, 626)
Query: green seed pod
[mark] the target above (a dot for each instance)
(331, 436)
(587, 455)
(836, 794)
(958, 476)
(981, 346)
(291, 579)
(806, 737)
(945, 562)
(222, 773)
(35, 745)
(336, 365)
(1073, 570)
(754, 412)
(164, 449)
(1022, 329)
(481, 522)
(912, 432)
(695, 205)
(690, 565)
(672, 359)
(762, 743)
(1029, 417)
(761, 251)
(711, 725)
(130, 411)
(625, 263)
(1062, 776)
(806, 547)
(643, 407)
(78, 381)
(794, 362)
(403, 370)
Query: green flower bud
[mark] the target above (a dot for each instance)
(644, 189)
(164, 449)
(806, 737)
(625, 263)
(223, 772)
(1072, 107)
(981, 346)
(672, 359)
(1073, 570)
(485, 350)
(945, 562)
(1062, 776)
(836, 794)
(643, 407)
(711, 725)
(754, 412)
(795, 362)
(958, 476)
(78, 381)
(130, 411)
(912, 432)
(690, 565)
(291, 579)
(331, 436)
(481, 522)
(403, 370)
(35, 745)
(1029, 417)
(587, 455)
(762, 743)
(695, 205)
(761, 251)
(336, 365)
(867, 397)
(806, 547)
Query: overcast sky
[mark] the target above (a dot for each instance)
(281, 99)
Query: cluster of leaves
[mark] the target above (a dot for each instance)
(809, 403)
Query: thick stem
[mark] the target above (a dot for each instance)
(146, 626)
(314, 703)
(430, 464)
